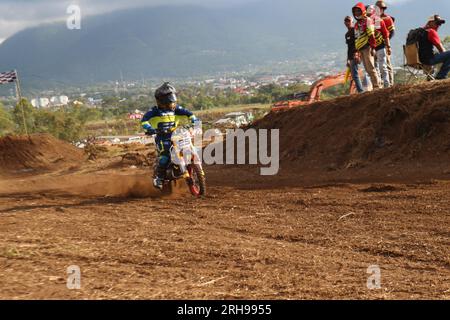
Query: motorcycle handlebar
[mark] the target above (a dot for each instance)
(160, 131)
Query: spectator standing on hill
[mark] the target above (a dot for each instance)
(390, 25)
(351, 51)
(365, 42)
(382, 43)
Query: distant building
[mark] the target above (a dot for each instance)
(40, 102)
(59, 101)
(136, 115)
(56, 101)
(242, 91)
(95, 102)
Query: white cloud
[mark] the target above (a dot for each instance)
(16, 15)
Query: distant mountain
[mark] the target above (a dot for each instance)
(178, 41)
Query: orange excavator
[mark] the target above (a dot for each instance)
(305, 98)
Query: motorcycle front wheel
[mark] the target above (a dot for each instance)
(196, 181)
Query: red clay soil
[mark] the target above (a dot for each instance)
(310, 232)
(396, 125)
(37, 152)
(280, 243)
(394, 134)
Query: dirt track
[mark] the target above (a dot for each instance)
(361, 183)
(306, 242)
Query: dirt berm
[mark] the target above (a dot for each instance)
(401, 133)
(36, 153)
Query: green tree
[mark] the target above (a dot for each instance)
(28, 113)
(446, 42)
(73, 129)
(64, 125)
(6, 122)
(86, 114)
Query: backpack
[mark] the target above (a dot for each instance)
(415, 36)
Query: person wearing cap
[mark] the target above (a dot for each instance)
(390, 25)
(365, 42)
(431, 40)
(383, 45)
(351, 50)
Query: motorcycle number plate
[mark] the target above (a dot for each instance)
(183, 142)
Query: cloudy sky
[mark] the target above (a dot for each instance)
(16, 15)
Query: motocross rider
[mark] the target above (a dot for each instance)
(162, 120)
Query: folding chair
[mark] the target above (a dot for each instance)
(412, 64)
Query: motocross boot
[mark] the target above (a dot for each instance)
(158, 181)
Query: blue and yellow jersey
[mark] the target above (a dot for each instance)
(165, 120)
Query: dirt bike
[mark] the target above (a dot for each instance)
(184, 163)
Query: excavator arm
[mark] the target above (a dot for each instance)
(323, 84)
(315, 92)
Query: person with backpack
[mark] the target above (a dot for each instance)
(428, 40)
(390, 25)
(365, 42)
(383, 45)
